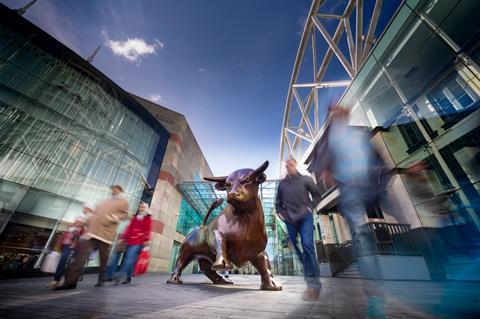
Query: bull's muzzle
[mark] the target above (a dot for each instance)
(233, 196)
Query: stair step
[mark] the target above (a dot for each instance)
(351, 271)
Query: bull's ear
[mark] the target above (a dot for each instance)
(261, 178)
(220, 186)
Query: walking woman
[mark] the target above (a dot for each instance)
(137, 237)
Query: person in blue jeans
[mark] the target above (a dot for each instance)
(295, 207)
(137, 238)
(120, 249)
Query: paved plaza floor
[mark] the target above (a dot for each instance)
(150, 297)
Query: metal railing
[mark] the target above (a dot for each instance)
(379, 238)
(341, 257)
(374, 238)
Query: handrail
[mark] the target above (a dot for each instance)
(375, 238)
(341, 257)
(380, 238)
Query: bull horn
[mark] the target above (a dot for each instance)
(261, 169)
(219, 179)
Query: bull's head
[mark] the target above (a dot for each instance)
(241, 185)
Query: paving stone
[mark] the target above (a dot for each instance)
(150, 297)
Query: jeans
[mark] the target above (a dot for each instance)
(112, 267)
(65, 258)
(130, 256)
(308, 257)
(351, 204)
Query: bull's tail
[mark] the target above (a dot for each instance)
(215, 204)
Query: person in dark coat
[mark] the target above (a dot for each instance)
(295, 208)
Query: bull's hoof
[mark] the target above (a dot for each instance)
(175, 280)
(271, 286)
(222, 265)
(223, 281)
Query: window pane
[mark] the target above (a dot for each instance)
(19, 167)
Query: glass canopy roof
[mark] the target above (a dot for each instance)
(200, 196)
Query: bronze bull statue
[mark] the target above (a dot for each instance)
(236, 236)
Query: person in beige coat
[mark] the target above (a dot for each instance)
(100, 234)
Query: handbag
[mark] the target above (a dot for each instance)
(50, 262)
(141, 266)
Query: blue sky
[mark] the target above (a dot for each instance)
(224, 64)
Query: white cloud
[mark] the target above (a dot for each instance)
(132, 49)
(201, 70)
(155, 97)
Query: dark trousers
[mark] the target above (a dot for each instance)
(305, 229)
(86, 246)
(65, 259)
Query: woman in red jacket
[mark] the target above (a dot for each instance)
(137, 237)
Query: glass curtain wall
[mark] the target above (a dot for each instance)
(63, 141)
(421, 87)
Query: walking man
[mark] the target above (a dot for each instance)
(101, 229)
(295, 207)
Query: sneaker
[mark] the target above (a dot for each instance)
(311, 294)
(98, 284)
(52, 284)
(127, 281)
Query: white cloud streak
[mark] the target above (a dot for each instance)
(132, 49)
(155, 97)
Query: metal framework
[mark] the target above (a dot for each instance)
(297, 137)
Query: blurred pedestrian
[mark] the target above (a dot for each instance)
(120, 249)
(101, 229)
(352, 163)
(295, 208)
(69, 243)
(137, 238)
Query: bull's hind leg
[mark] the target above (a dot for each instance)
(206, 268)
(183, 260)
(263, 266)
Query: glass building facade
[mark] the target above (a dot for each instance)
(67, 133)
(419, 90)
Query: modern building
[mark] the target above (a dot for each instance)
(183, 161)
(67, 132)
(418, 93)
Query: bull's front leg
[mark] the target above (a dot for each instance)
(222, 262)
(263, 266)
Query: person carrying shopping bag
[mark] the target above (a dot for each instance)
(69, 243)
(99, 236)
(137, 238)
